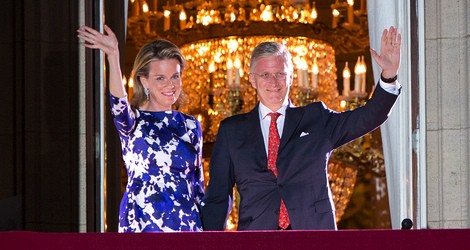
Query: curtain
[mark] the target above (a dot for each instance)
(396, 132)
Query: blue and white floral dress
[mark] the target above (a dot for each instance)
(162, 152)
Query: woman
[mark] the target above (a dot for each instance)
(161, 147)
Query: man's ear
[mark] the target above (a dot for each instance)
(291, 79)
(251, 78)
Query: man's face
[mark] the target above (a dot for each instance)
(272, 79)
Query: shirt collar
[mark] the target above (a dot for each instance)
(264, 111)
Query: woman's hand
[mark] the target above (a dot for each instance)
(106, 42)
(390, 52)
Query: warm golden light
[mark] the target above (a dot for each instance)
(221, 57)
(314, 14)
(145, 7)
(237, 63)
(346, 71)
(303, 65)
(131, 83)
(346, 81)
(315, 72)
(183, 15)
(357, 66)
(236, 15)
(267, 14)
(315, 69)
(335, 18)
(166, 13)
(217, 41)
(360, 77)
(242, 73)
(361, 69)
(212, 12)
(351, 12)
(343, 104)
(335, 13)
(229, 64)
(124, 81)
(229, 73)
(218, 57)
(232, 45)
(130, 89)
(211, 67)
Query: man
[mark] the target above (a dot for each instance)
(278, 162)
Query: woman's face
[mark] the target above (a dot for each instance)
(164, 84)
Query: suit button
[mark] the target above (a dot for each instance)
(280, 185)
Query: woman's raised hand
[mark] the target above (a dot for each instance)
(106, 42)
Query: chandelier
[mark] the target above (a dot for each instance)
(217, 38)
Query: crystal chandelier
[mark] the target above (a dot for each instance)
(217, 38)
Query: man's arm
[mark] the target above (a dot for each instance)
(219, 192)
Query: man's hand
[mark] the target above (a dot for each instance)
(390, 52)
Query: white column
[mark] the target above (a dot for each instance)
(82, 130)
(100, 139)
(448, 112)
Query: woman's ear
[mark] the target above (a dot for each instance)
(144, 81)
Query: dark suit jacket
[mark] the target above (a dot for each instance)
(310, 134)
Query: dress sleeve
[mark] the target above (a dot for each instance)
(124, 117)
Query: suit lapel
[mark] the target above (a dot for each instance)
(254, 134)
(293, 117)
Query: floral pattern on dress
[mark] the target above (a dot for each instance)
(162, 152)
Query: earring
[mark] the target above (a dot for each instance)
(147, 93)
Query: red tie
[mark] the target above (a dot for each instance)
(273, 146)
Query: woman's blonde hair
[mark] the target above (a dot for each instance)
(157, 50)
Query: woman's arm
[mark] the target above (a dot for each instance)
(109, 45)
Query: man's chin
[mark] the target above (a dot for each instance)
(273, 102)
